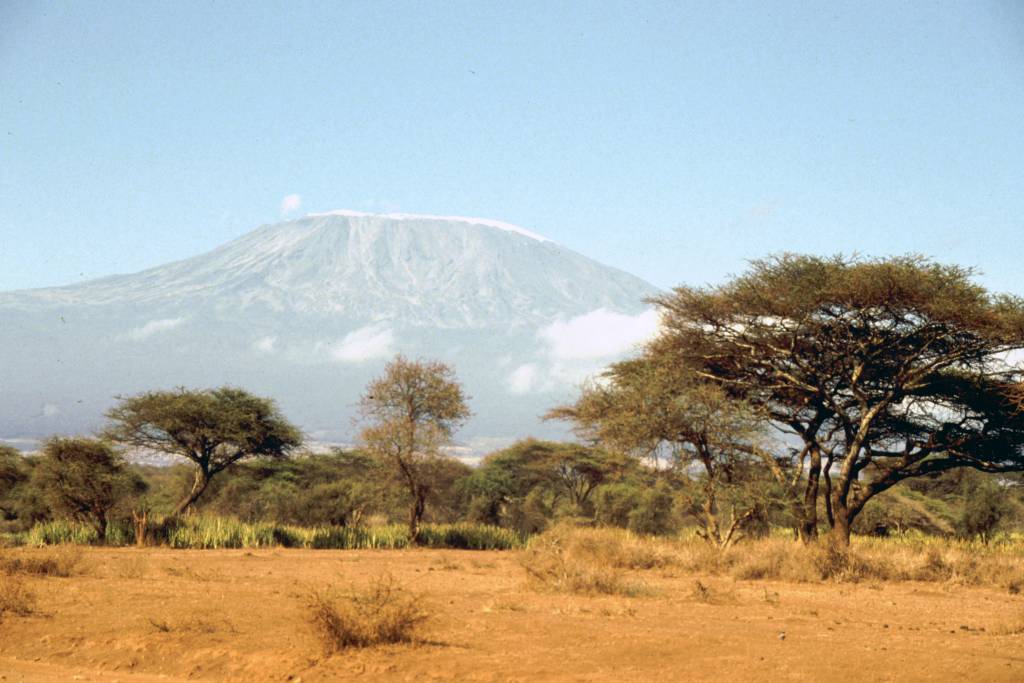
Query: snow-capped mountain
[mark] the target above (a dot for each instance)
(306, 311)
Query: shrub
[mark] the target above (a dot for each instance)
(985, 506)
(653, 513)
(384, 613)
(15, 597)
(613, 504)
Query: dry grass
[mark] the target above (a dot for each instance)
(579, 560)
(384, 613)
(588, 562)
(61, 562)
(711, 595)
(785, 560)
(15, 597)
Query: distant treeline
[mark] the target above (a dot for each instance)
(526, 488)
(826, 395)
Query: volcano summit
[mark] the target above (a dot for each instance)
(306, 311)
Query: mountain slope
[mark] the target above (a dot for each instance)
(308, 310)
(424, 270)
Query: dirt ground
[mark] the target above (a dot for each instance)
(166, 615)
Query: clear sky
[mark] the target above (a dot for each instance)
(673, 140)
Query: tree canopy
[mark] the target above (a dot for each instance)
(213, 428)
(84, 479)
(884, 369)
(657, 410)
(411, 412)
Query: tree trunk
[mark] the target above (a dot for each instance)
(101, 527)
(141, 520)
(419, 505)
(844, 512)
(840, 534)
(809, 505)
(199, 484)
(711, 528)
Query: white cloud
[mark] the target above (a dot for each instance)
(365, 343)
(290, 204)
(523, 379)
(51, 410)
(265, 344)
(580, 348)
(598, 334)
(153, 327)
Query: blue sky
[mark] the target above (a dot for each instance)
(673, 140)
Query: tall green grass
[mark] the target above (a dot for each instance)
(208, 532)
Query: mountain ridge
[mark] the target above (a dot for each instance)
(307, 311)
(370, 266)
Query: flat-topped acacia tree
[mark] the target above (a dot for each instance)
(213, 428)
(885, 369)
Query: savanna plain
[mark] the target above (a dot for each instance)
(573, 604)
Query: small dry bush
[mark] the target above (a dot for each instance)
(710, 595)
(383, 613)
(588, 561)
(15, 597)
(63, 561)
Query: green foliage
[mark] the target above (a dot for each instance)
(214, 428)
(654, 409)
(84, 479)
(530, 482)
(21, 504)
(984, 508)
(411, 414)
(341, 488)
(903, 509)
(861, 359)
(614, 503)
(652, 514)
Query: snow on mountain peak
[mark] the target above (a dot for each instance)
(500, 225)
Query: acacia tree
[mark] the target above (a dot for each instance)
(651, 409)
(84, 479)
(11, 475)
(411, 413)
(884, 369)
(213, 428)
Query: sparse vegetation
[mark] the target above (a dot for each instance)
(568, 561)
(15, 597)
(381, 614)
(61, 562)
